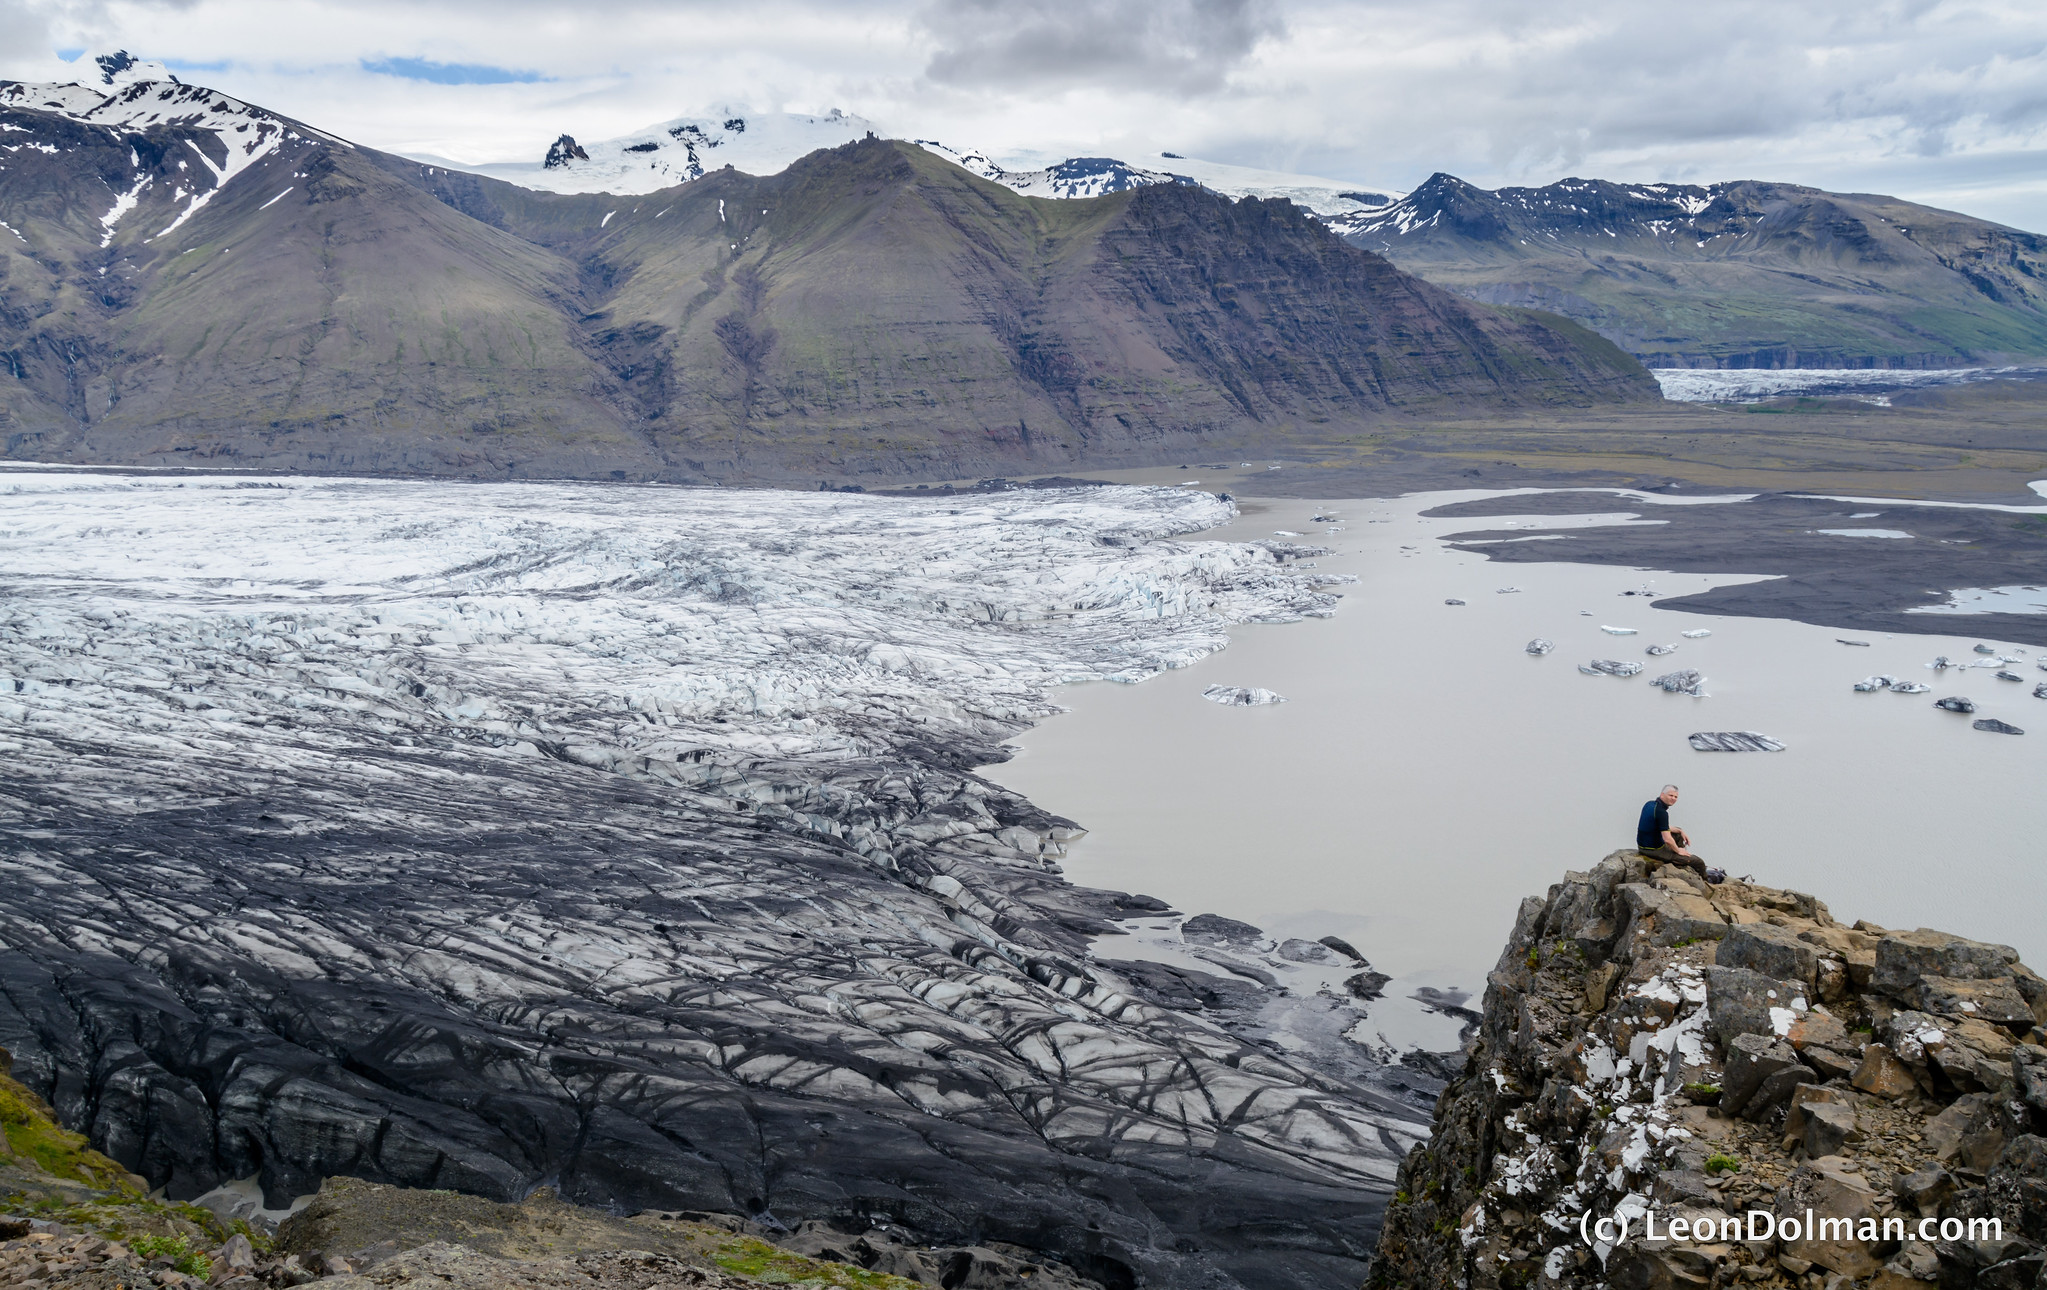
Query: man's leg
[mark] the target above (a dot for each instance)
(1669, 855)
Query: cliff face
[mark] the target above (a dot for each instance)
(1657, 1048)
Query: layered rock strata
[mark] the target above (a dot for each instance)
(623, 839)
(1655, 1049)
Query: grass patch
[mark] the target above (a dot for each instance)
(34, 1133)
(1722, 1163)
(776, 1267)
(176, 1248)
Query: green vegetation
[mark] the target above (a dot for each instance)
(179, 1250)
(33, 1132)
(1722, 1163)
(748, 1257)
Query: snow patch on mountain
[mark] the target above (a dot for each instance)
(133, 96)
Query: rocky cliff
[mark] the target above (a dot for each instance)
(1683, 1057)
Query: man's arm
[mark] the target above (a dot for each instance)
(1674, 844)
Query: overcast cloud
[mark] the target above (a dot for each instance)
(1940, 102)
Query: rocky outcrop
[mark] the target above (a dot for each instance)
(1686, 1086)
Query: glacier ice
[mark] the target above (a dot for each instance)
(624, 837)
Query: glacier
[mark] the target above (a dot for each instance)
(626, 839)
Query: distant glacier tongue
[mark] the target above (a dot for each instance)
(477, 836)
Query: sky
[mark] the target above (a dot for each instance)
(1935, 101)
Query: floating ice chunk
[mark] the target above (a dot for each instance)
(1541, 645)
(1871, 684)
(1843, 640)
(1584, 613)
(1696, 633)
(1284, 533)
(1617, 631)
(1453, 601)
(1986, 649)
(2040, 690)
(1955, 703)
(1685, 681)
(1940, 663)
(1913, 687)
(1996, 727)
(1611, 667)
(1658, 651)
(1238, 696)
(1507, 591)
(2011, 676)
(1734, 741)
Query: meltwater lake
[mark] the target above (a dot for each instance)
(1426, 772)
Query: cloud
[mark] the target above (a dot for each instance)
(1188, 46)
(420, 69)
(1891, 95)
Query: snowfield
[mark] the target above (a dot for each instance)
(625, 838)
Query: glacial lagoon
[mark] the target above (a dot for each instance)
(1427, 772)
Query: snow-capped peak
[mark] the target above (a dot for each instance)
(676, 151)
(121, 67)
(127, 94)
(1072, 178)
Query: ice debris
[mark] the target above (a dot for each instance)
(1955, 703)
(1610, 667)
(1241, 696)
(1696, 633)
(1996, 727)
(1686, 681)
(1658, 651)
(1617, 631)
(1541, 645)
(1734, 741)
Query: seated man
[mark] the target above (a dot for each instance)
(1657, 840)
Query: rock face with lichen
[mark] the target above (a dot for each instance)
(1655, 1048)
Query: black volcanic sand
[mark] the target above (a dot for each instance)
(1864, 583)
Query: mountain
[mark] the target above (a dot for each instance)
(188, 277)
(1731, 275)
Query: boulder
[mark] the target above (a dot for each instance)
(1943, 1133)
(1828, 1127)
(1214, 929)
(1903, 957)
(1924, 1190)
(1836, 1201)
(2017, 1186)
(1771, 950)
(1995, 1000)
(2029, 1075)
(1883, 1075)
(1295, 950)
(1666, 917)
(1752, 1061)
(1743, 1002)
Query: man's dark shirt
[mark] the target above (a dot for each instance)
(1654, 824)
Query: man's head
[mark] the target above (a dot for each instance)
(1669, 795)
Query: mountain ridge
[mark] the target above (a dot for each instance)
(1741, 274)
(272, 294)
